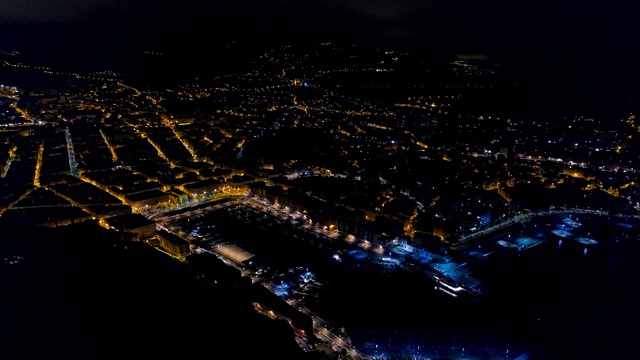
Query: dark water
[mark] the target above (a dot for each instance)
(556, 301)
(553, 300)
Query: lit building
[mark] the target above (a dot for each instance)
(151, 198)
(235, 253)
(174, 244)
(132, 223)
(203, 187)
(238, 182)
(179, 197)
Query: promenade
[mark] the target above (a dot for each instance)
(526, 217)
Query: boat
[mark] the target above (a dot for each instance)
(447, 285)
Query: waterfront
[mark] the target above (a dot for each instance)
(547, 285)
(555, 299)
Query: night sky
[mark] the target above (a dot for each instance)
(472, 25)
(588, 46)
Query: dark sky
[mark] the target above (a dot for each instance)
(473, 25)
(588, 45)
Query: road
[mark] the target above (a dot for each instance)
(157, 214)
(527, 216)
(321, 328)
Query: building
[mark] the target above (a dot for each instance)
(371, 231)
(174, 244)
(203, 187)
(235, 253)
(151, 198)
(132, 223)
(259, 189)
(240, 182)
(179, 197)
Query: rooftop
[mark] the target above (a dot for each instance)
(234, 253)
